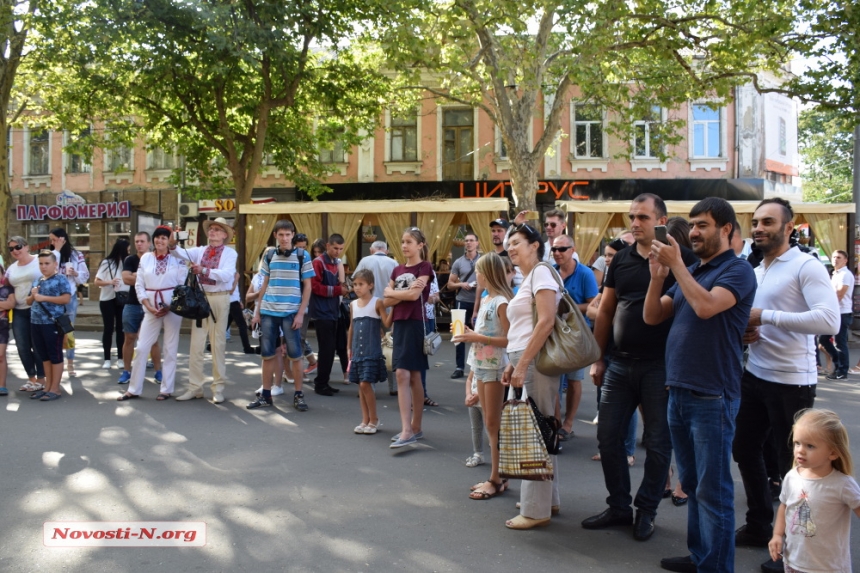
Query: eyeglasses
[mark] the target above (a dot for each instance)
(553, 225)
(16, 248)
(559, 249)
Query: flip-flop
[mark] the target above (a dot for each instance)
(523, 522)
(125, 397)
(4, 391)
(498, 489)
(161, 397)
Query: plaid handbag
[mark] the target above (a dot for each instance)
(522, 451)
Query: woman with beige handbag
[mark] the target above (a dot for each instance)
(526, 336)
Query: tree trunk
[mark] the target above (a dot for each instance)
(524, 182)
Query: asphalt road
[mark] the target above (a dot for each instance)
(281, 490)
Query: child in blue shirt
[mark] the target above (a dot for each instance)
(48, 299)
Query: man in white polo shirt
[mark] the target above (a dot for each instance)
(842, 282)
(794, 302)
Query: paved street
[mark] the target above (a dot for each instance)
(281, 490)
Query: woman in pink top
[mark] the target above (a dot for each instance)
(538, 499)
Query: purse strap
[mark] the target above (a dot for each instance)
(565, 296)
(512, 393)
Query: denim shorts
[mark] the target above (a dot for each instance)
(576, 375)
(271, 328)
(487, 374)
(132, 318)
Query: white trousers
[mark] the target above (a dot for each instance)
(538, 497)
(217, 332)
(149, 330)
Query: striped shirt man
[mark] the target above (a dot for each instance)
(283, 295)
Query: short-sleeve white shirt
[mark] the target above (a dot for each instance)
(520, 308)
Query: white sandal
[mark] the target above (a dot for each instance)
(474, 460)
(360, 429)
(32, 387)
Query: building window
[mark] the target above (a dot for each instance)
(646, 143)
(588, 129)
(707, 131)
(404, 138)
(161, 160)
(457, 144)
(40, 158)
(77, 163)
(119, 159)
(334, 154)
(117, 230)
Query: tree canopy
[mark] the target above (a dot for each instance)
(826, 143)
(510, 57)
(228, 85)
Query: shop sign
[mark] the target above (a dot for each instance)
(71, 206)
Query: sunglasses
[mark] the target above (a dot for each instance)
(16, 248)
(525, 227)
(560, 249)
(553, 225)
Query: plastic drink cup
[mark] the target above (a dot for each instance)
(458, 321)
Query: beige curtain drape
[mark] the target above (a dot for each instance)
(745, 222)
(447, 243)
(392, 225)
(590, 228)
(347, 224)
(308, 223)
(827, 231)
(258, 228)
(435, 227)
(480, 223)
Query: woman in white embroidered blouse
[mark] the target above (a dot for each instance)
(157, 275)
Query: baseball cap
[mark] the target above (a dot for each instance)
(500, 223)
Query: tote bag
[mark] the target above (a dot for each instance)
(522, 451)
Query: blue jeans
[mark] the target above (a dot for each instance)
(271, 328)
(24, 342)
(627, 384)
(702, 430)
(839, 352)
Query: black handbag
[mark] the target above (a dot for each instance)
(121, 297)
(62, 322)
(549, 427)
(189, 301)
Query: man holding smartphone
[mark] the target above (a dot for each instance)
(635, 375)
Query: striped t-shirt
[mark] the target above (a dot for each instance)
(283, 296)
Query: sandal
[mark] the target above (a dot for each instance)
(523, 522)
(125, 397)
(32, 387)
(429, 402)
(504, 486)
(498, 489)
(596, 457)
(554, 510)
(161, 397)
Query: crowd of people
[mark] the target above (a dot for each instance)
(715, 350)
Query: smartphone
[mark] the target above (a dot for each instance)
(181, 235)
(660, 234)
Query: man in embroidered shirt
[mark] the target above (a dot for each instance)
(793, 303)
(215, 267)
(463, 280)
(326, 290)
(710, 303)
(284, 297)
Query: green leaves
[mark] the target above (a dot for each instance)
(826, 143)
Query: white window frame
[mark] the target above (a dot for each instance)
(159, 173)
(408, 166)
(719, 162)
(42, 178)
(127, 175)
(647, 162)
(67, 157)
(588, 163)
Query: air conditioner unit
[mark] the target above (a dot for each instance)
(188, 210)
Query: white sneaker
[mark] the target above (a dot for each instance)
(595, 419)
(106, 365)
(277, 391)
(120, 364)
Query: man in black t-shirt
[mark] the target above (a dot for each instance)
(636, 375)
(132, 312)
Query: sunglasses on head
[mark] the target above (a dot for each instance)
(559, 249)
(525, 227)
(16, 248)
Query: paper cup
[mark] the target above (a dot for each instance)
(458, 321)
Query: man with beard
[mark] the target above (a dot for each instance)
(711, 305)
(793, 303)
(636, 375)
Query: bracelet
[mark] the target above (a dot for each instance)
(488, 340)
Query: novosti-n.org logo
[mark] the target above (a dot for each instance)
(124, 534)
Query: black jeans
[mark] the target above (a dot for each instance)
(112, 322)
(331, 339)
(237, 317)
(765, 407)
(460, 349)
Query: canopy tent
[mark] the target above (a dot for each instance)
(596, 220)
(439, 219)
